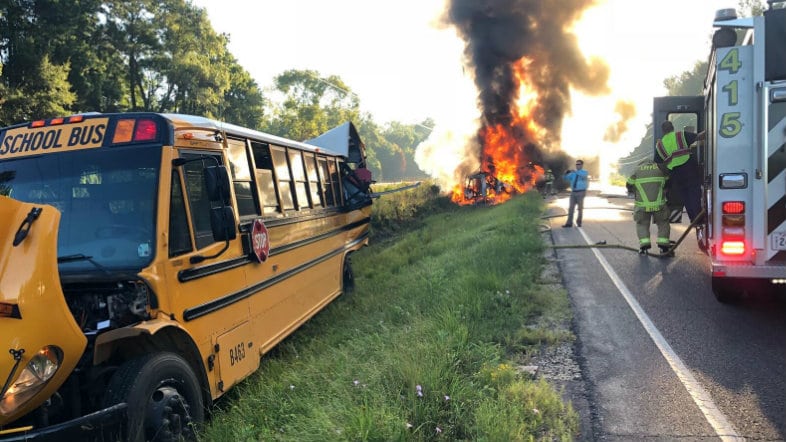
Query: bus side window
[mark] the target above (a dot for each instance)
(335, 180)
(241, 179)
(285, 185)
(179, 237)
(313, 180)
(198, 200)
(266, 185)
(327, 187)
(6, 181)
(299, 179)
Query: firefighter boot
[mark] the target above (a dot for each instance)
(643, 249)
(666, 250)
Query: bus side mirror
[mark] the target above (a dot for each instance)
(222, 223)
(217, 183)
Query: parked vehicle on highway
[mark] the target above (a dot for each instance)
(742, 113)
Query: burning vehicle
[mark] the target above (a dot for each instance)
(482, 187)
(525, 62)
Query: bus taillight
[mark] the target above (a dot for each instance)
(128, 130)
(124, 131)
(146, 130)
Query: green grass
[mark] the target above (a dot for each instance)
(425, 347)
(398, 211)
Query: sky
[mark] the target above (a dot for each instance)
(406, 65)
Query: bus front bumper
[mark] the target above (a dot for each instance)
(103, 424)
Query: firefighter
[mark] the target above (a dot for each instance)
(648, 183)
(549, 187)
(673, 150)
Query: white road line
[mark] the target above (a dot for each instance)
(723, 428)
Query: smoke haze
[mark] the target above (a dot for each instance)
(626, 111)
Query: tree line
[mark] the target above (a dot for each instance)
(687, 83)
(59, 58)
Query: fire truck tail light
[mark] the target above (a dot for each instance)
(733, 228)
(733, 207)
(733, 248)
(733, 220)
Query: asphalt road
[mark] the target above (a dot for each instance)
(661, 359)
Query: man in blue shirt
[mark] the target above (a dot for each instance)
(578, 180)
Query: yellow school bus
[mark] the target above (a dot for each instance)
(148, 260)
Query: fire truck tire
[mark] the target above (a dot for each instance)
(725, 290)
(163, 396)
(701, 237)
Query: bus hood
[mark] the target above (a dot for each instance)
(40, 342)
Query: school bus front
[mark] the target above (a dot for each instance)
(77, 196)
(134, 289)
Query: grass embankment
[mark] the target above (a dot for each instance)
(426, 346)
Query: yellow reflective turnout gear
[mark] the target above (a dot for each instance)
(673, 148)
(649, 182)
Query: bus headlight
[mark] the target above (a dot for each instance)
(32, 379)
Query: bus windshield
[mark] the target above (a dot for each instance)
(106, 198)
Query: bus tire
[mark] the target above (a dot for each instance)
(348, 276)
(725, 290)
(163, 396)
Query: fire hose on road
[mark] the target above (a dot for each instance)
(603, 245)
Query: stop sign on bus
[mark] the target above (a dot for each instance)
(259, 240)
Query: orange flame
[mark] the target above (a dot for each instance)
(503, 157)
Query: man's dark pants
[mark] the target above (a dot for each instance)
(687, 182)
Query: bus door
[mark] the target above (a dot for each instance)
(205, 271)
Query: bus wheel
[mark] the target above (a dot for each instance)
(348, 277)
(163, 396)
(725, 290)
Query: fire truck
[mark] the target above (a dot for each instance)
(742, 113)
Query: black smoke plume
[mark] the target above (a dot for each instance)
(533, 38)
